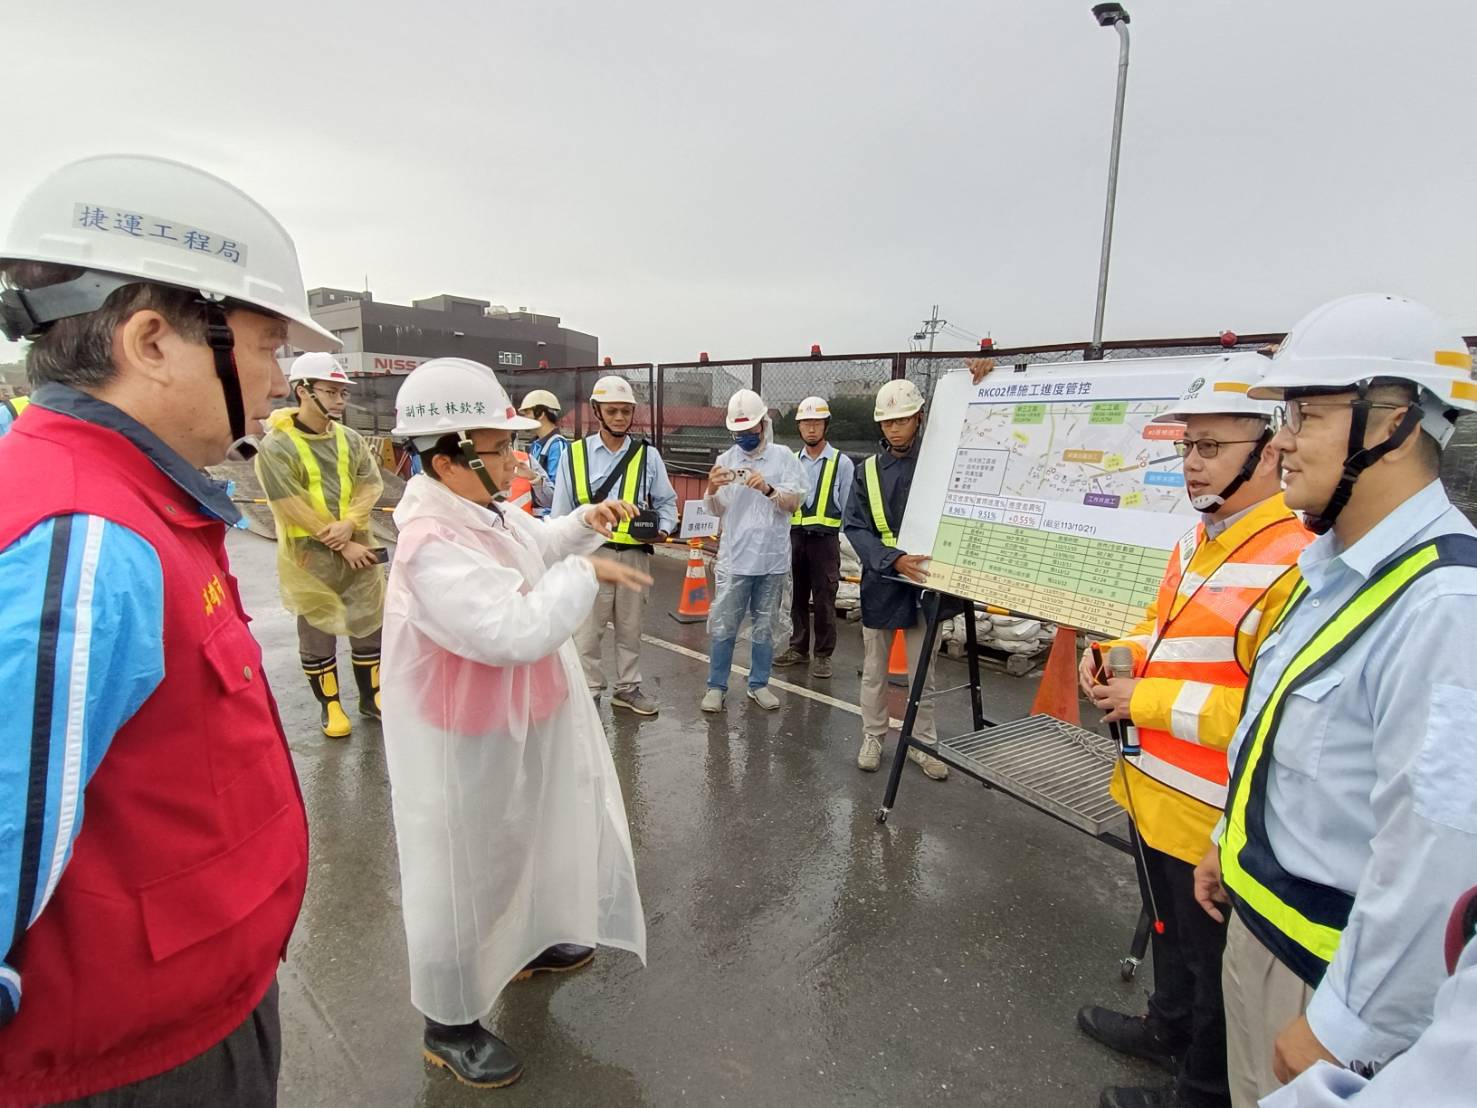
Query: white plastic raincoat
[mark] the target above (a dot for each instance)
(509, 818)
(311, 481)
(756, 533)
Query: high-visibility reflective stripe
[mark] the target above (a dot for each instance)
(816, 514)
(875, 502)
(1317, 938)
(1246, 575)
(627, 488)
(1190, 648)
(1184, 713)
(17, 404)
(315, 476)
(1207, 792)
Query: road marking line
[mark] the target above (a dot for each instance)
(799, 690)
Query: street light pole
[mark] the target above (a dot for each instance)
(1115, 16)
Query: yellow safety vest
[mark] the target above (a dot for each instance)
(16, 405)
(315, 476)
(818, 512)
(876, 503)
(628, 488)
(1301, 921)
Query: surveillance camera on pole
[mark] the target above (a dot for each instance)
(1115, 16)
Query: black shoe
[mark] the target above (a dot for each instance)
(559, 958)
(1133, 1035)
(1137, 1097)
(473, 1054)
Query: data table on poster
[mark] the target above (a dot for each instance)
(1081, 582)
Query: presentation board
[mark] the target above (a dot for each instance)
(1051, 492)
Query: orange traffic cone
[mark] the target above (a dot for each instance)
(897, 661)
(693, 606)
(1057, 695)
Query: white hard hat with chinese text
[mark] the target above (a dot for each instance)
(813, 407)
(612, 390)
(447, 395)
(897, 400)
(125, 218)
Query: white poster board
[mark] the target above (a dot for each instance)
(697, 521)
(1051, 492)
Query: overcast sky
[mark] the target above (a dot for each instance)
(749, 179)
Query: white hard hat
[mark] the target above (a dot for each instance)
(896, 400)
(317, 366)
(746, 410)
(540, 397)
(612, 390)
(1223, 390)
(156, 220)
(446, 395)
(1355, 339)
(813, 407)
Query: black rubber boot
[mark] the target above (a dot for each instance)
(367, 677)
(1133, 1035)
(559, 958)
(323, 679)
(473, 1054)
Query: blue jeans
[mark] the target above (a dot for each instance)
(759, 597)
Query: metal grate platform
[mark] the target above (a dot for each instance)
(1057, 767)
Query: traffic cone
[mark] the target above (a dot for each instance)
(1057, 695)
(897, 661)
(693, 606)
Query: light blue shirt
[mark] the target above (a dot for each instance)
(1373, 783)
(1440, 1071)
(656, 487)
(815, 467)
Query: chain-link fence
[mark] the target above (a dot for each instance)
(849, 383)
(691, 431)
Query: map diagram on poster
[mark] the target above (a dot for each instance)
(1052, 492)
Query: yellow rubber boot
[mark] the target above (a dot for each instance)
(323, 679)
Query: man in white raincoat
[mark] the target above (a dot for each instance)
(515, 856)
(755, 487)
(322, 480)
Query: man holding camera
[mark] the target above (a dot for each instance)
(613, 464)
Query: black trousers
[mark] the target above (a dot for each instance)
(815, 569)
(240, 1071)
(1186, 1001)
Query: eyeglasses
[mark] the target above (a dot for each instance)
(1207, 448)
(1291, 413)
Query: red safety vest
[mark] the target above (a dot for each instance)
(166, 927)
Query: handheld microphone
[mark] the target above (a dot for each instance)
(1120, 664)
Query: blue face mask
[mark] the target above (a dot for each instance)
(748, 440)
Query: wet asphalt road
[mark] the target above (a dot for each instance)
(799, 952)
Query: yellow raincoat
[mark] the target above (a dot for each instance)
(310, 482)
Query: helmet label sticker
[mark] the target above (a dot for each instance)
(166, 232)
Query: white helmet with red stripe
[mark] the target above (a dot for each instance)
(315, 366)
(449, 395)
(746, 410)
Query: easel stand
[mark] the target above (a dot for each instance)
(1053, 766)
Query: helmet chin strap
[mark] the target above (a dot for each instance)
(319, 405)
(1359, 459)
(1212, 501)
(222, 345)
(475, 463)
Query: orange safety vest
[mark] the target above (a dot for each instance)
(1195, 642)
(520, 493)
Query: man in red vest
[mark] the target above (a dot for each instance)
(153, 840)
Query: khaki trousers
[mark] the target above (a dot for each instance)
(1262, 996)
(623, 609)
(876, 646)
